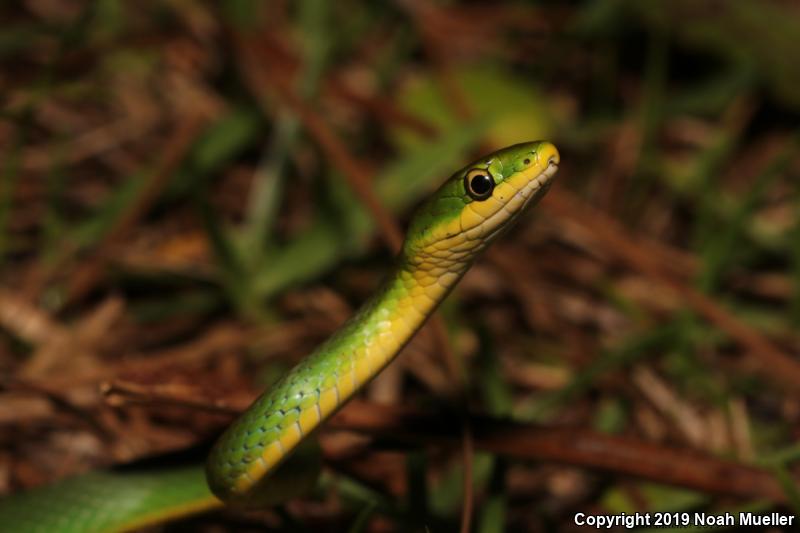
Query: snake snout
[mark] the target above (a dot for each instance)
(546, 151)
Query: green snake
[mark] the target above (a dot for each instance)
(445, 235)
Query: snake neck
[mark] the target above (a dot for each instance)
(387, 321)
(257, 442)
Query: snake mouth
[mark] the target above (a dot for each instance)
(546, 175)
(542, 181)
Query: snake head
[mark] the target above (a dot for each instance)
(476, 203)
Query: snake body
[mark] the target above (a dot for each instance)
(445, 235)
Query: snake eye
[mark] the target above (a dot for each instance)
(479, 184)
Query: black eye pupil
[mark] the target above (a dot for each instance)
(481, 184)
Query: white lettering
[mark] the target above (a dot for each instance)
(627, 521)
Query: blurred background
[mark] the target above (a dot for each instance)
(194, 194)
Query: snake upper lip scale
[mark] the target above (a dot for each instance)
(549, 171)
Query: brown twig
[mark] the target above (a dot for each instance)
(118, 393)
(619, 455)
(59, 400)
